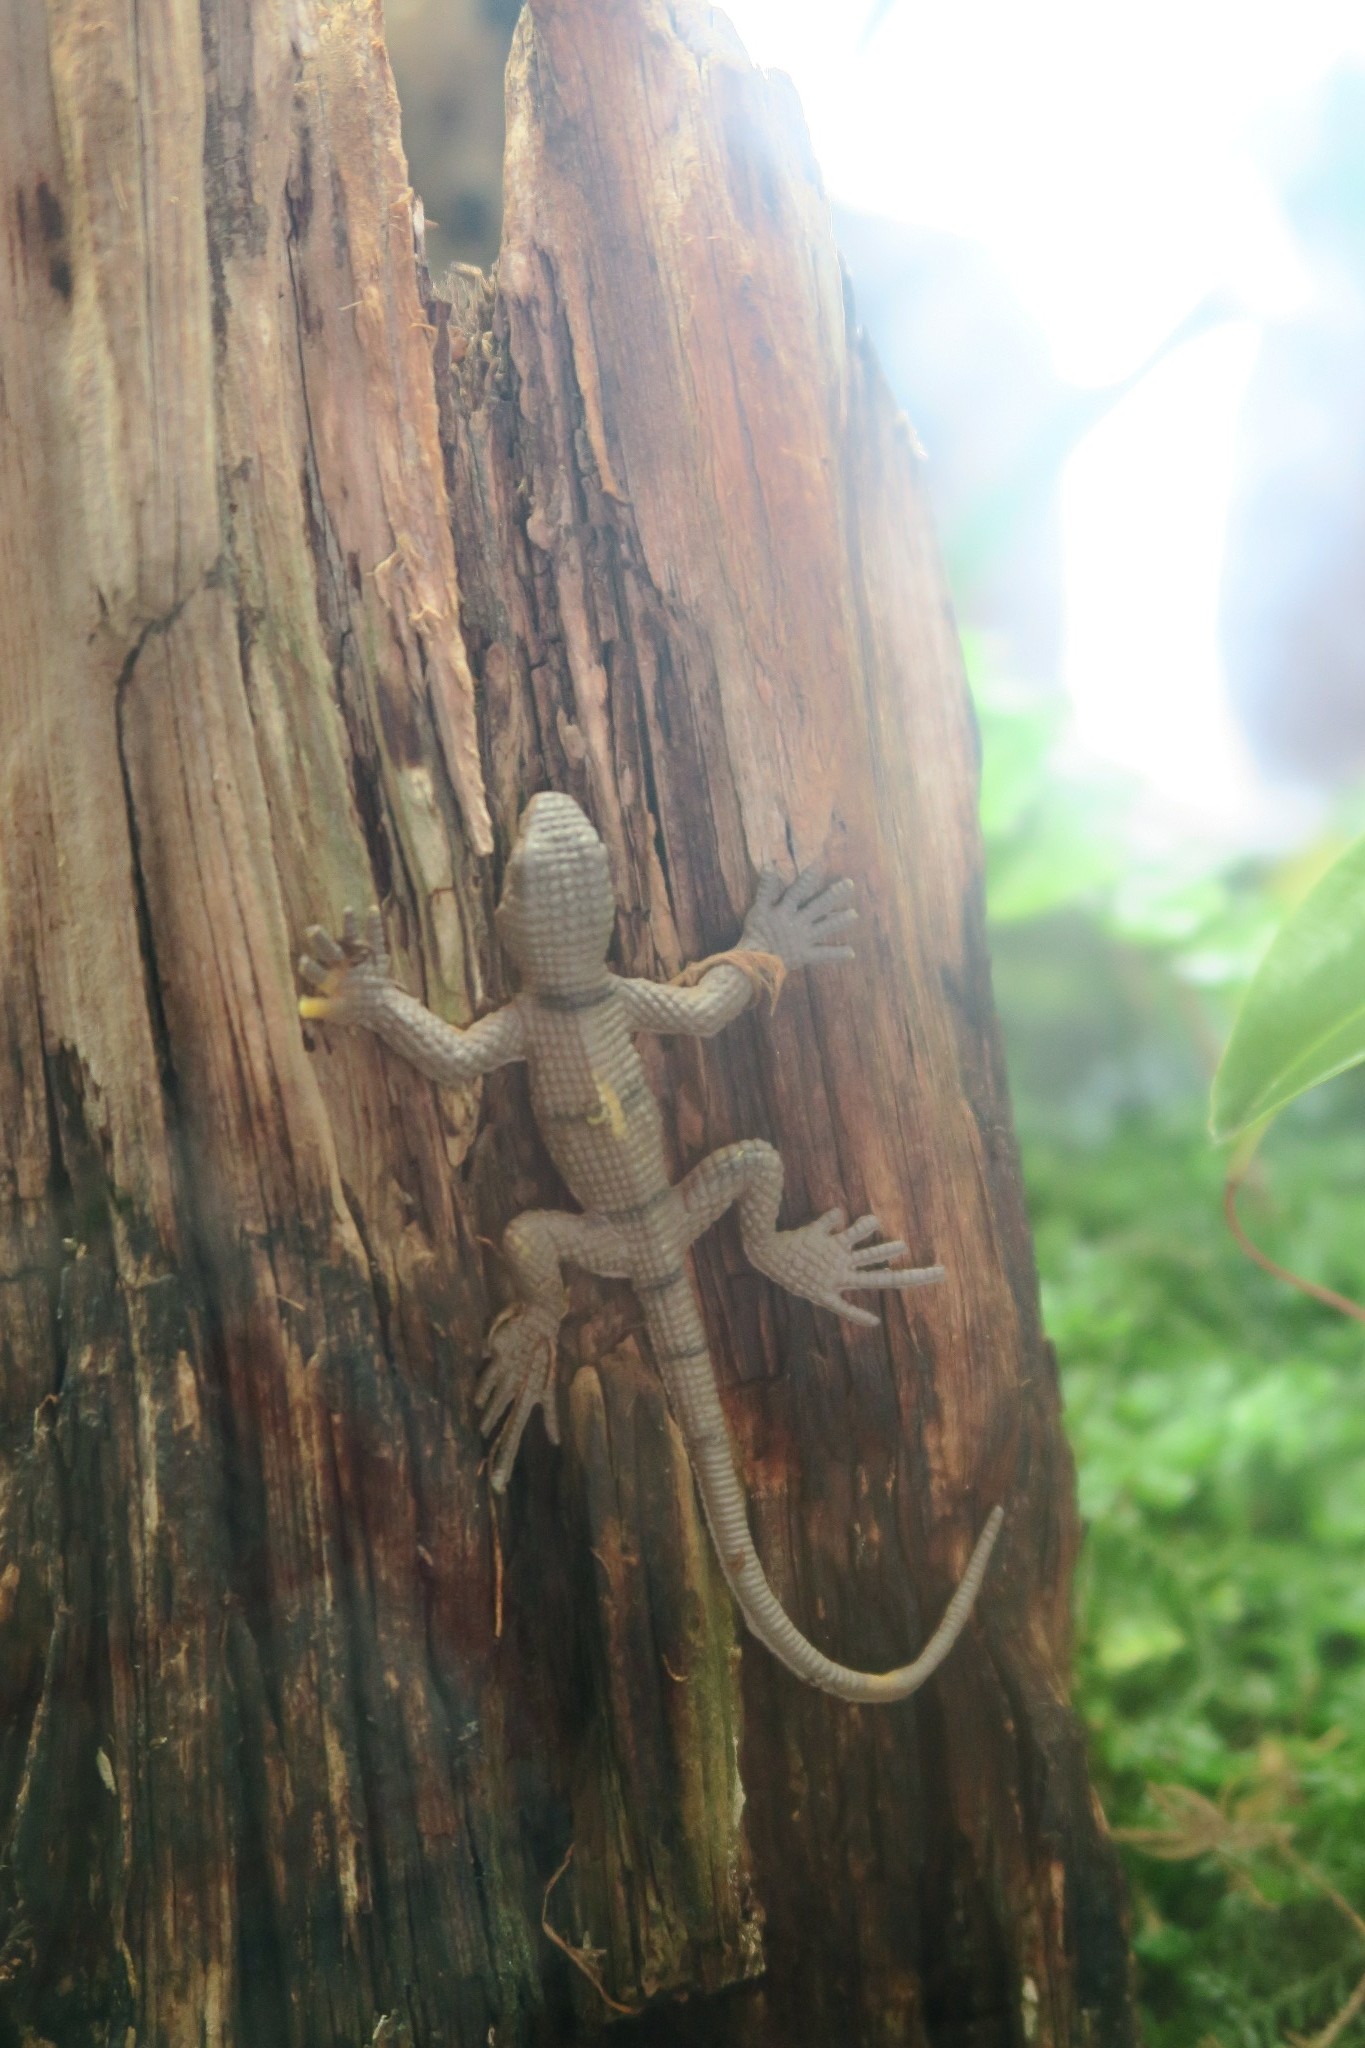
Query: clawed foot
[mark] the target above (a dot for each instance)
(519, 1376)
(823, 1259)
(801, 921)
(350, 978)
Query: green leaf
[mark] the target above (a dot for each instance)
(1303, 1018)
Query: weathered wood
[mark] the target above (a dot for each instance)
(294, 1731)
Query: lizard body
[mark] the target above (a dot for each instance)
(573, 1024)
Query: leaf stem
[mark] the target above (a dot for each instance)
(1326, 1295)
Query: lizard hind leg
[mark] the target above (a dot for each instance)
(523, 1339)
(820, 1260)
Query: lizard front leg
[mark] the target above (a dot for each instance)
(523, 1339)
(798, 924)
(821, 1260)
(352, 985)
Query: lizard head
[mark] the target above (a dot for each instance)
(557, 910)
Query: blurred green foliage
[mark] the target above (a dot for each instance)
(1217, 1417)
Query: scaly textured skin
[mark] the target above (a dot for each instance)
(572, 1024)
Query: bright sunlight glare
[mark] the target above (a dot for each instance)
(1108, 160)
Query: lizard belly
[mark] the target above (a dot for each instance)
(594, 1109)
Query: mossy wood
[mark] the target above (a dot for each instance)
(307, 579)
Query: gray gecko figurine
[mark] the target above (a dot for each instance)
(572, 1024)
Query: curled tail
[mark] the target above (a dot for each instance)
(690, 1380)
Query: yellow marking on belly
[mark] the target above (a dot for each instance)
(609, 1111)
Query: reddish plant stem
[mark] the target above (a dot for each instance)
(1326, 1295)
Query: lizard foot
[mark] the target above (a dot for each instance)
(350, 979)
(823, 1259)
(801, 921)
(519, 1376)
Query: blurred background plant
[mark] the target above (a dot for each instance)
(1216, 1416)
(1113, 261)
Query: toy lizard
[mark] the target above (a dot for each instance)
(572, 1024)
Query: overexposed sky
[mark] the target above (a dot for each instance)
(1105, 155)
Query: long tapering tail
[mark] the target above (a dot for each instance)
(690, 1380)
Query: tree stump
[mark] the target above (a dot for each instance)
(309, 575)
